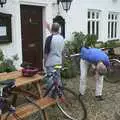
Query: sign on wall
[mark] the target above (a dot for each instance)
(5, 28)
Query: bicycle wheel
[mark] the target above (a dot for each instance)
(113, 75)
(72, 106)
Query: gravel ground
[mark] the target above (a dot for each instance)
(108, 109)
(100, 110)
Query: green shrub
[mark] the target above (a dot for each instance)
(73, 46)
(1, 55)
(110, 44)
(6, 65)
(69, 72)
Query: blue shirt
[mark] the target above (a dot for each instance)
(94, 55)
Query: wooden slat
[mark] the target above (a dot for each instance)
(20, 80)
(10, 75)
(27, 80)
(26, 110)
(4, 73)
(46, 102)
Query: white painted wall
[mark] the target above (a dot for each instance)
(13, 7)
(10, 49)
(76, 18)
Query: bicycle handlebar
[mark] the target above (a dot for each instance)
(115, 60)
(73, 55)
(78, 54)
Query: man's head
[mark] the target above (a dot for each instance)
(101, 68)
(55, 28)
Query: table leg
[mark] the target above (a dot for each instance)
(40, 94)
(39, 90)
(14, 99)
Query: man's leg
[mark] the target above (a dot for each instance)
(99, 86)
(51, 79)
(49, 70)
(83, 75)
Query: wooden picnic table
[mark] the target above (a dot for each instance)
(21, 81)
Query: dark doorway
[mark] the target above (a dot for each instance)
(61, 21)
(32, 35)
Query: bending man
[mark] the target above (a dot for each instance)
(100, 62)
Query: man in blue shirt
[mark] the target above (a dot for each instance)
(100, 62)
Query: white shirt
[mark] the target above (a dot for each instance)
(56, 48)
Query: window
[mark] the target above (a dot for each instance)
(112, 25)
(93, 22)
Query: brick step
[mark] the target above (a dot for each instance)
(27, 109)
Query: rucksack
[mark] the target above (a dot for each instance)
(48, 44)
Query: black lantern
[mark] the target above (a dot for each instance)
(65, 4)
(3, 2)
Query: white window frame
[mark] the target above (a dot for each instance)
(94, 21)
(112, 25)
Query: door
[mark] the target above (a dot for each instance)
(32, 35)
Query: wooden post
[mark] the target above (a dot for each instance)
(40, 94)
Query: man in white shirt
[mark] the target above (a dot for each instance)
(53, 50)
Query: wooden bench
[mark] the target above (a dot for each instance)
(25, 110)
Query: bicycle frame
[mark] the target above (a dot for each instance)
(55, 87)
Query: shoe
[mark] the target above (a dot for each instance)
(99, 98)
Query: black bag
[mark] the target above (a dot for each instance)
(48, 44)
(6, 87)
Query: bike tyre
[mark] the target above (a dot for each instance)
(70, 113)
(113, 75)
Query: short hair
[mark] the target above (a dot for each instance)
(55, 27)
(101, 68)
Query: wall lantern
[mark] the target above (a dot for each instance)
(65, 4)
(2, 2)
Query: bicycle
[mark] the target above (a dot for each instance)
(113, 75)
(68, 102)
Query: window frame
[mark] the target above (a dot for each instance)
(112, 25)
(93, 19)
